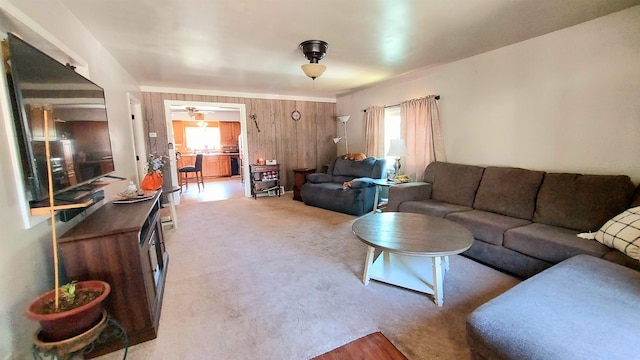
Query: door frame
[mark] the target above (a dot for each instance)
(243, 131)
(139, 143)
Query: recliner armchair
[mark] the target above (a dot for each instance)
(326, 190)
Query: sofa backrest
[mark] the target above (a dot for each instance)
(581, 202)
(453, 183)
(345, 169)
(508, 191)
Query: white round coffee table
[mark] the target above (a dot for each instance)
(408, 243)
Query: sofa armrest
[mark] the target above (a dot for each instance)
(414, 191)
(318, 178)
(361, 183)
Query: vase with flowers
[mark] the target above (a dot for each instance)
(153, 178)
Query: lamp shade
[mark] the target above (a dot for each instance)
(397, 148)
(344, 118)
(313, 70)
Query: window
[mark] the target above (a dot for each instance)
(203, 138)
(391, 131)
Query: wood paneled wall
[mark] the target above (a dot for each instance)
(295, 144)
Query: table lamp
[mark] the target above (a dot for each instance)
(397, 149)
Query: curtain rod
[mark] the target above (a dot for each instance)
(437, 97)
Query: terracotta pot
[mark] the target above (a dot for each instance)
(67, 324)
(152, 181)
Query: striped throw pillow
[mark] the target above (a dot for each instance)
(623, 232)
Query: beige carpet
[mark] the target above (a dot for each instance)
(275, 279)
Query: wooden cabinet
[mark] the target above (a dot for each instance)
(224, 165)
(36, 122)
(178, 134)
(213, 165)
(229, 132)
(264, 178)
(299, 178)
(235, 127)
(123, 245)
(216, 165)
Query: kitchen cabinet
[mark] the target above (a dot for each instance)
(213, 165)
(229, 132)
(123, 245)
(178, 134)
(216, 165)
(36, 122)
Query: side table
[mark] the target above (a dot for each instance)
(379, 184)
(172, 219)
(299, 178)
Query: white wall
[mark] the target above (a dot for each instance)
(566, 101)
(25, 255)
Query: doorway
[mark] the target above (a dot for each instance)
(213, 113)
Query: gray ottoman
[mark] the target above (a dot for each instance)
(581, 308)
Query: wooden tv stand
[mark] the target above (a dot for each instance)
(123, 245)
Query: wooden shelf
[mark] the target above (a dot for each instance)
(46, 210)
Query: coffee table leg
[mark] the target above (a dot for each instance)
(367, 265)
(436, 262)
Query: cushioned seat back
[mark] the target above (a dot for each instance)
(453, 183)
(581, 202)
(508, 191)
(345, 169)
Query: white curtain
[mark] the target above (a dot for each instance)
(423, 135)
(374, 131)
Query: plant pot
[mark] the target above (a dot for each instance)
(67, 324)
(152, 181)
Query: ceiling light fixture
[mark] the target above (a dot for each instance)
(314, 51)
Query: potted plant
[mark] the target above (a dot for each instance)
(153, 179)
(79, 308)
(81, 305)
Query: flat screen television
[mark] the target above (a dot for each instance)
(75, 109)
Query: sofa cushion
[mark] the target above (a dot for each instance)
(453, 183)
(550, 243)
(486, 226)
(622, 233)
(332, 196)
(346, 167)
(318, 178)
(431, 207)
(582, 308)
(581, 202)
(508, 191)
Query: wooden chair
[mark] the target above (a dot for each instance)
(196, 168)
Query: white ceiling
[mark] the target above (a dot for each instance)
(252, 45)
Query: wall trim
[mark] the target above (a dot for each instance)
(157, 89)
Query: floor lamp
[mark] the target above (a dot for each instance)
(336, 139)
(397, 149)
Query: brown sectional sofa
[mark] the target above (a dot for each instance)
(523, 221)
